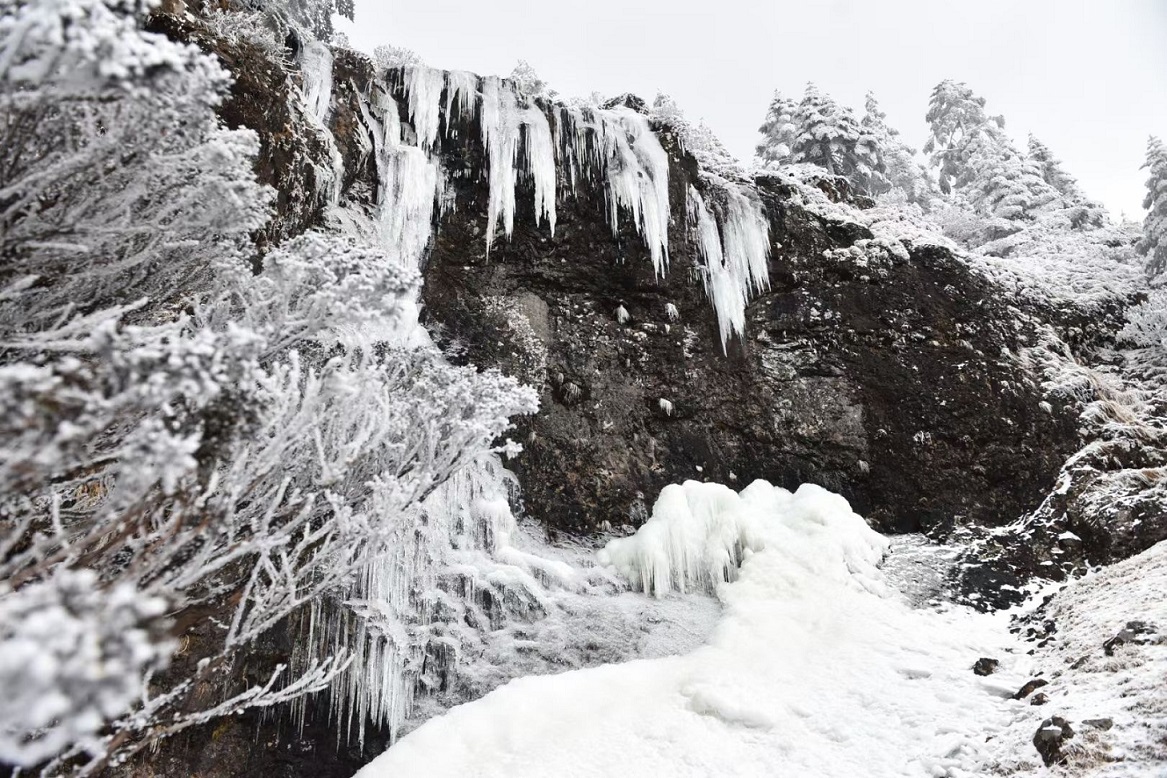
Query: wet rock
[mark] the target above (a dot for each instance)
(1050, 740)
(1030, 687)
(985, 666)
(1041, 698)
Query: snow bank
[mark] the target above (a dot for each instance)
(815, 669)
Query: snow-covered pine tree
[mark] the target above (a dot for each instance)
(900, 168)
(1052, 171)
(1154, 242)
(1001, 184)
(957, 119)
(831, 137)
(778, 132)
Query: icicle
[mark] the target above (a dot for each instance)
(736, 255)
(316, 67)
(408, 185)
(638, 180)
(617, 147)
(461, 90)
(540, 159)
(502, 123)
(424, 86)
(500, 133)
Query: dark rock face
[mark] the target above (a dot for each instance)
(293, 156)
(884, 381)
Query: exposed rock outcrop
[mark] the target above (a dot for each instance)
(887, 376)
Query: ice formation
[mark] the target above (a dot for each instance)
(699, 534)
(316, 67)
(502, 122)
(461, 93)
(616, 146)
(736, 253)
(408, 185)
(424, 86)
(398, 618)
(816, 665)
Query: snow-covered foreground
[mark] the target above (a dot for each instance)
(817, 667)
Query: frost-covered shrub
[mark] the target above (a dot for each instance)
(118, 181)
(527, 81)
(388, 57)
(179, 436)
(87, 646)
(1146, 324)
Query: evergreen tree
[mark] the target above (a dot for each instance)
(831, 137)
(778, 131)
(1002, 184)
(1154, 242)
(901, 171)
(1052, 172)
(958, 120)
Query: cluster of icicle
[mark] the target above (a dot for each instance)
(612, 147)
(408, 625)
(407, 619)
(736, 253)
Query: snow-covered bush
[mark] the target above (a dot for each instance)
(86, 645)
(179, 436)
(388, 57)
(1146, 325)
(527, 81)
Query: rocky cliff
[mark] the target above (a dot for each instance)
(888, 369)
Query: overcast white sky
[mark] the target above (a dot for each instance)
(1088, 78)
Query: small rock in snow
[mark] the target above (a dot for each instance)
(1029, 688)
(1050, 738)
(985, 666)
(1133, 632)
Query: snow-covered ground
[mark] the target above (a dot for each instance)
(820, 665)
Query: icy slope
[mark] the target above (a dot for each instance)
(817, 667)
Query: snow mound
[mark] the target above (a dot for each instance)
(816, 668)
